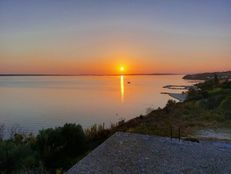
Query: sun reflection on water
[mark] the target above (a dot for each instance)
(122, 88)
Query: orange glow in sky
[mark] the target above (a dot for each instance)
(115, 37)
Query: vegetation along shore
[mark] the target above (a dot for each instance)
(54, 150)
(206, 76)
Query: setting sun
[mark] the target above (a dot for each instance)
(121, 69)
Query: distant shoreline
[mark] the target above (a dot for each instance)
(88, 74)
(209, 75)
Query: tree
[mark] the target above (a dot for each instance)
(216, 80)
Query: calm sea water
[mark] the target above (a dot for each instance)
(33, 103)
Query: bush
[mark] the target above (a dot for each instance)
(197, 94)
(226, 104)
(60, 145)
(96, 134)
(226, 85)
(209, 84)
(170, 105)
(17, 157)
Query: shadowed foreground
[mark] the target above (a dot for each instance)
(136, 153)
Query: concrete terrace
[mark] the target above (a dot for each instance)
(126, 153)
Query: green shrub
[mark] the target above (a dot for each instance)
(226, 103)
(208, 85)
(17, 157)
(225, 107)
(59, 146)
(226, 85)
(170, 105)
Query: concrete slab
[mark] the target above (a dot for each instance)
(127, 153)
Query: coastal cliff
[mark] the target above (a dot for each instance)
(209, 75)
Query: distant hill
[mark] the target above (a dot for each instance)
(207, 76)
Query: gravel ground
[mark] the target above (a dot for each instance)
(126, 153)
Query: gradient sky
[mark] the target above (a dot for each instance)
(97, 36)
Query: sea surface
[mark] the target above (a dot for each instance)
(32, 103)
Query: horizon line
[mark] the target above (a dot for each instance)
(83, 74)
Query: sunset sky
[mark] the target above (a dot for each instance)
(99, 36)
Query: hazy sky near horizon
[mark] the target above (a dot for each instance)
(97, 36)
